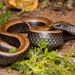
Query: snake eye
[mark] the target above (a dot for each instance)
(58, 25)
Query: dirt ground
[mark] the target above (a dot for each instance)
(55, 16)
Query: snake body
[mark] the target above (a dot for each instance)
(11, 35)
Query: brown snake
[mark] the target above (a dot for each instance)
(12, 35)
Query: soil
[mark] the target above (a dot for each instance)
(55, 16)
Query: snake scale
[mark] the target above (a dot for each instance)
(12, 35)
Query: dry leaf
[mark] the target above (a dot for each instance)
(28, 5)
(11, 3)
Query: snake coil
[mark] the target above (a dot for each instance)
(12, 35)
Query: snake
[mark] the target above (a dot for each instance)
(12, 34)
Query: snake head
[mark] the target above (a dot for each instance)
(61, 26)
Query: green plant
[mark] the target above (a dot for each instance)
(68, 5)
(44, 3)
(3, 14)
(42, 62)
(12, 49)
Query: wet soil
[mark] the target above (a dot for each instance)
(55, 16)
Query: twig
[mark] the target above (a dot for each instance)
(56, 65)
(62, 56)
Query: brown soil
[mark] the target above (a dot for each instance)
(63, 15)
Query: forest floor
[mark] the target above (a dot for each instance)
(55, 16)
